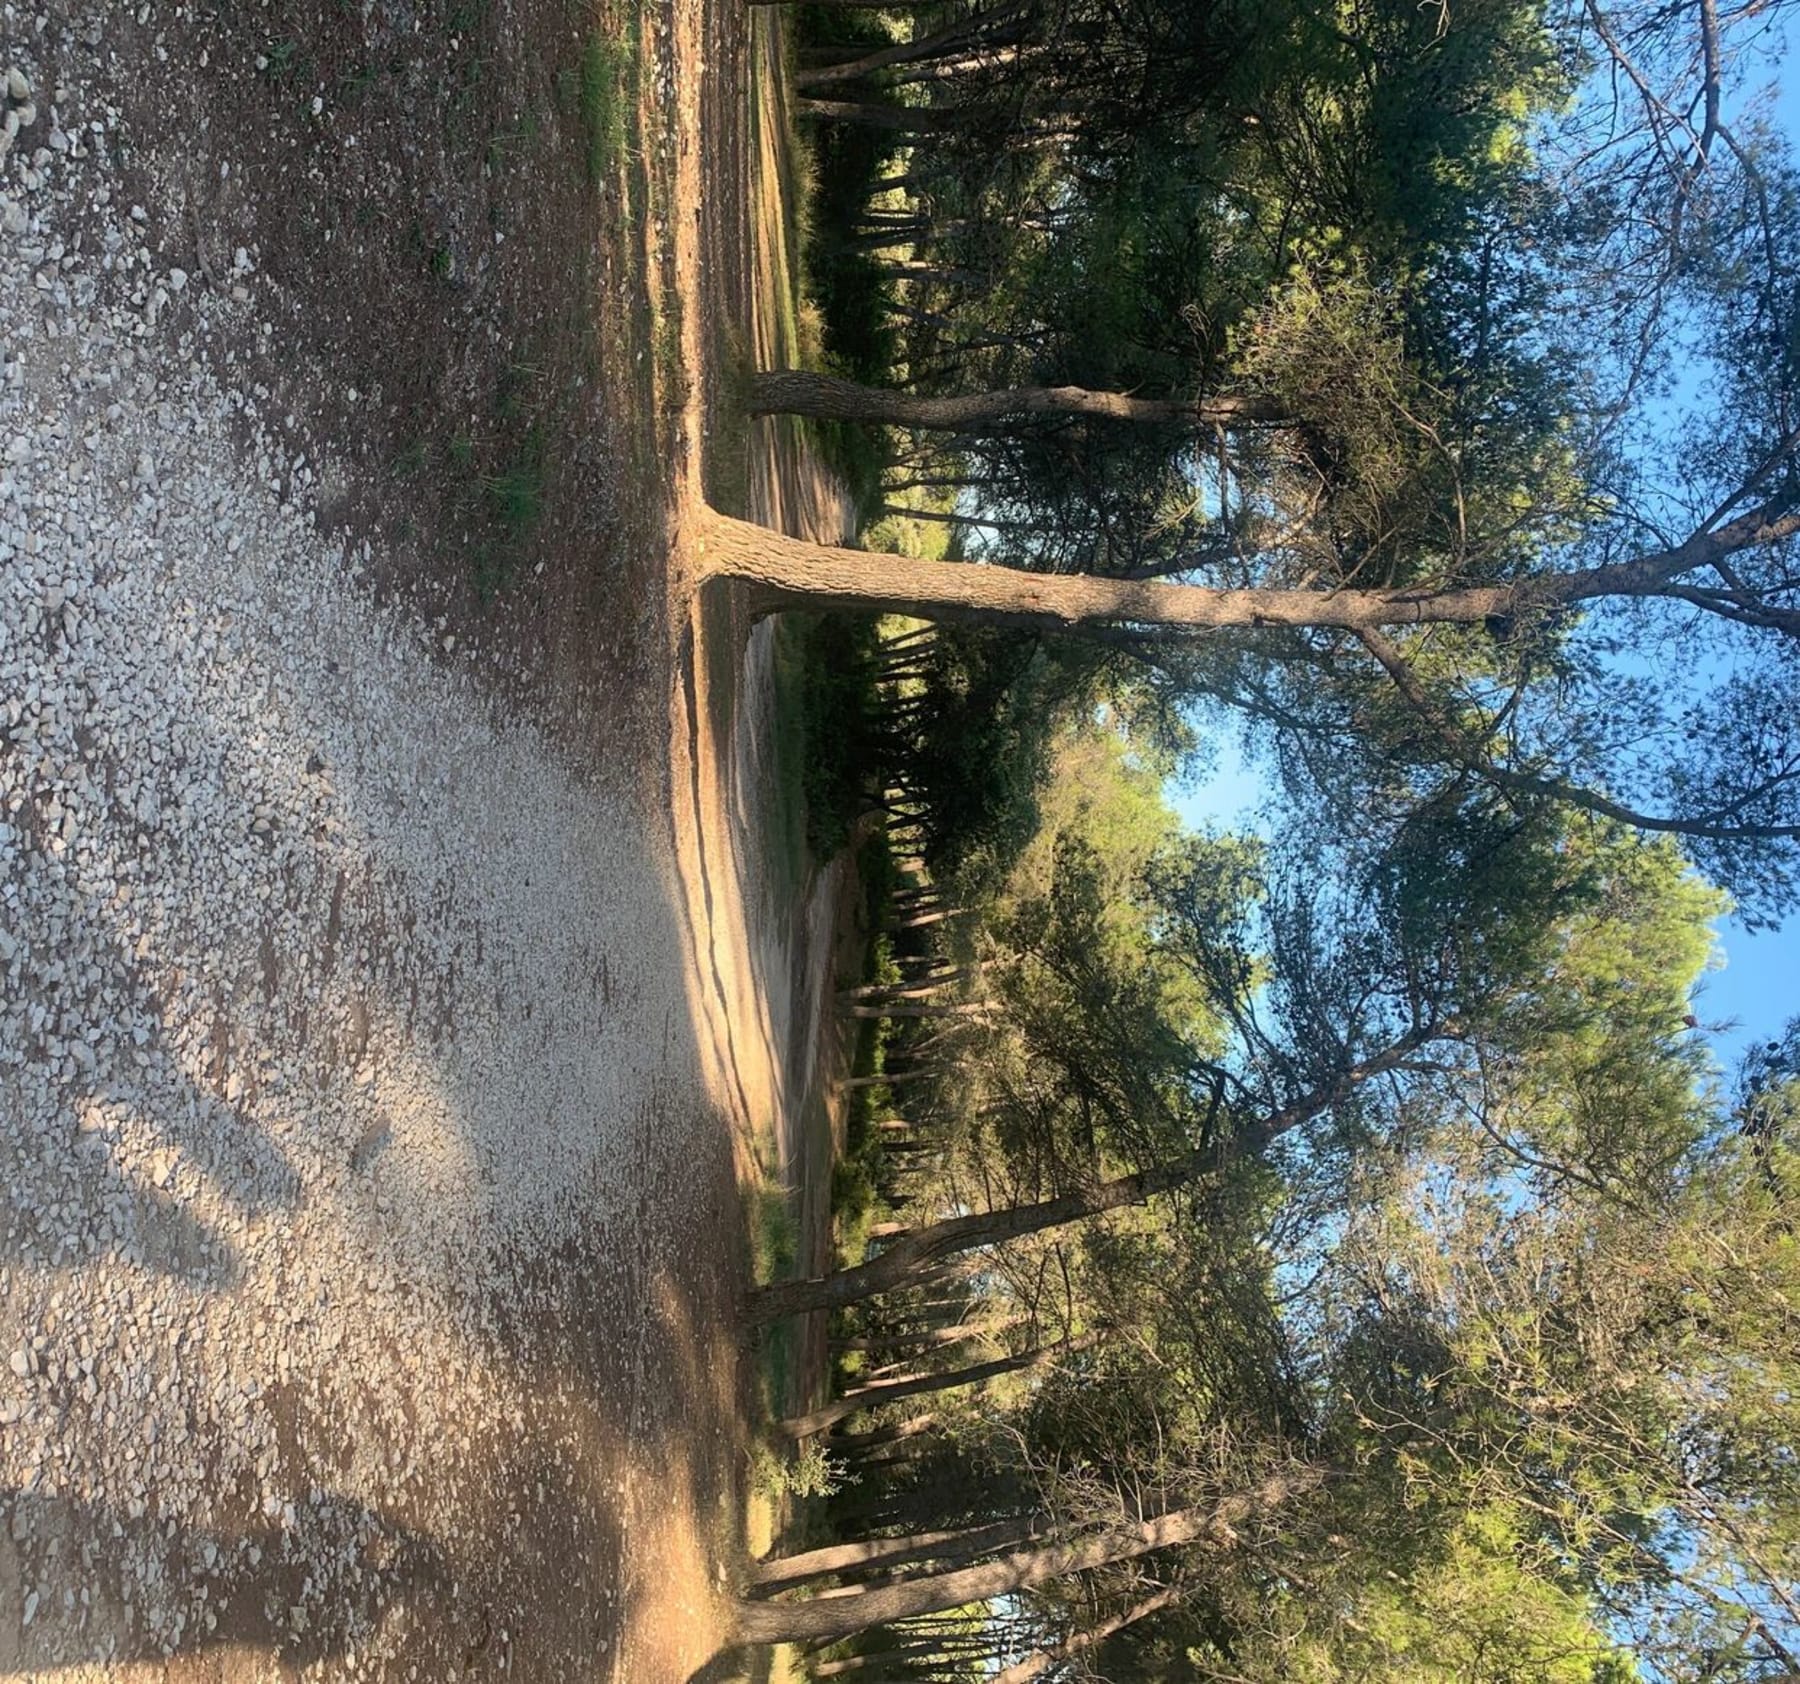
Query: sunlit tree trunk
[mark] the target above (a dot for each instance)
(838, 1617)
(963, 1542)
(827, 397)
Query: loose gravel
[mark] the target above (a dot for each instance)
(334, 1003)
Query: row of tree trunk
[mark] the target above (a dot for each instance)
(961, 1576)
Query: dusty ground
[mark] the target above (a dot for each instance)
(391, 987)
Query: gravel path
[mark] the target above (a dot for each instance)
(350, 1141)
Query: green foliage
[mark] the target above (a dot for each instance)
(811, 1472)
(856, 456)
(773, 1241)
(516, 493)
(1621, 1377)
(1091, 988)
(1470, 1227)
(1478, 1603)
(1396, 470)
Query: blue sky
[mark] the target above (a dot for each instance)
(1756, 990)
(1756, 987)
(1760, 984)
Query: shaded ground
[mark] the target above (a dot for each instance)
(372, 1311)
(775, 476)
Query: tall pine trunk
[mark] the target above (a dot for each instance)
(1090, 1637)
(916, 1253)
(827, 397)
(963, 1543)
(838, 1617)
(920, 1250)
(878, 1392)
(777, 572)
(947, 42)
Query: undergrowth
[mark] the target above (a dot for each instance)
(603, 79)
(841, 164)
(825, 718)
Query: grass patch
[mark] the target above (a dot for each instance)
(855, 1177)
(515, 495)
(671, 366)
(774, 1245)
(834, 313)
(812, 1472)
(727, 458)
(774, 1242)
(602, 90)
(504, 144)
(512, 502)
(788, 747)
(494, 474)
(282, 58)
(848, 159)
(354, 86)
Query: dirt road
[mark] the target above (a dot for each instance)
(380, 1017)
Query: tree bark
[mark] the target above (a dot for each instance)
(928, 1338)
(895, 269)
(778, 572)
(965, 1008)
(966, 1543)
(885, 1079)
(901, 119)
(919, 988)
(827, 397)
(872, 1396)
(839, 1617)
(954, 38)
(899, 511)
(918, 920)
(924, 1247)
(912, 1427)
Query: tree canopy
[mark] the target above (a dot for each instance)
(1327, 1254)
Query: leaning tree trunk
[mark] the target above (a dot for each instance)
(1090, 1637)
(963, 1542)
(877, 1438)
(954, 38)
(838, 1617)
(826, 397)
(920, 1250)
(929, 1338)
(901, 119)
(961, 1008)
(879, 1392)
(777, 572)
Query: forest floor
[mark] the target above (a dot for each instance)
(400, 989)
